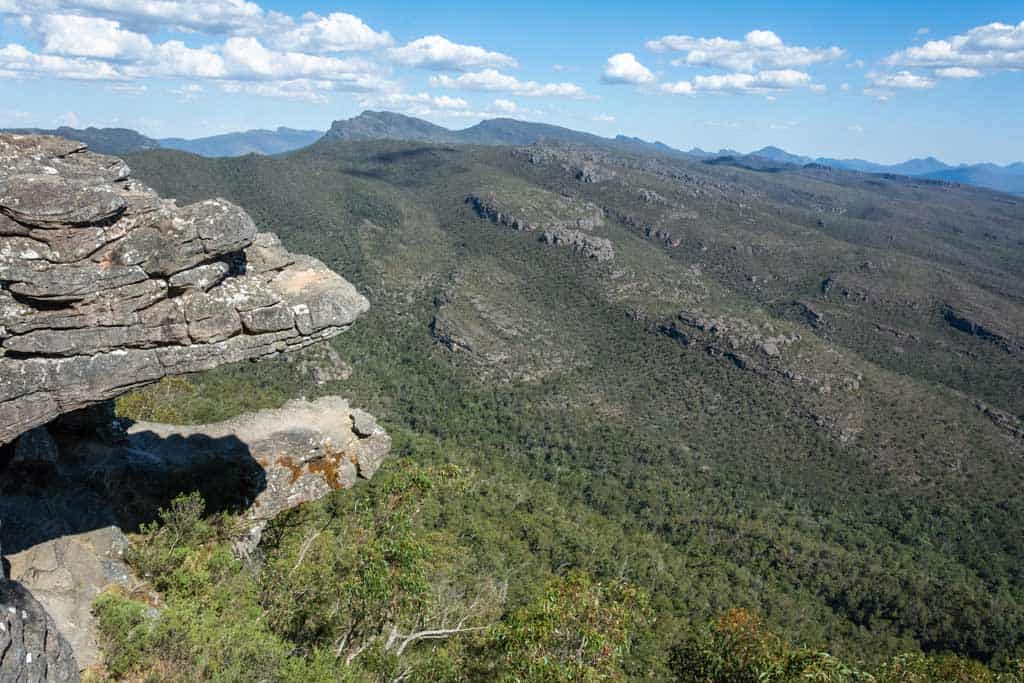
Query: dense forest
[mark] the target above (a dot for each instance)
(775, 437)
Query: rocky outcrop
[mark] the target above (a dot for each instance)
(564, 213)
(303, 451)
(104, 286)
(597, 248)
(66, 574)
(32, 650)
(63, 526)
(965, 321)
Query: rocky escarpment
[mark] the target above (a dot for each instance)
(104, 286)
(561, 221)
(597, 248)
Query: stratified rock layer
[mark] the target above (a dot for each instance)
(105, 287)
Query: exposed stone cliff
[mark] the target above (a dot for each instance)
(104, 286)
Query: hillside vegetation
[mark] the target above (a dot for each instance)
(794, 394)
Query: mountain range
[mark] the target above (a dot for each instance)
(384, 125)
(732, 381)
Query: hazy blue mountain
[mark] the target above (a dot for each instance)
(781, 156)
(103, 140)
(983, 175)
(247, 142)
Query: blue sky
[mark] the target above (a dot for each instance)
(882, 81)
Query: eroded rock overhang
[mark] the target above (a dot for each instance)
(105, 287)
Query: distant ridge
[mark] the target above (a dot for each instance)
(119, 141)
(248, 142)
(383, 125)
(115, 141)
(1002, 178)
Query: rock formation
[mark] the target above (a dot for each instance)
(562, 224)
(64, 534)
(104, 286)
(31, 649)
(597, 248)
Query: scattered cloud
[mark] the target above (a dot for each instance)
(993, 46)
(759, 83)
(426, 105)
(856, 64)
(844, 87)
(603, 118)
(758, 50)
(923, 31)
(151, 16)
(492, 80)
(505, 106)
(624, 68)
(17, 61)
(188, 93)
(70, 119)
(958, 72)
(12, 118)
(878, 94)
(679, 88)
(299, 89)
(903, 80)
(855, 129)
(337, 32)
(78, 36)
(128, 88)
(437, 52)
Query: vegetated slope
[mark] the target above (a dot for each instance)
(248, 142)
(795, 391)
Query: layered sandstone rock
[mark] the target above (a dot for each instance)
(104, 286)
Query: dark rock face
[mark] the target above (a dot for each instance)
(31, 648)
(105, 287)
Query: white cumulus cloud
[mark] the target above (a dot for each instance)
(78, 36)
(759, 49)
(957, 72)
(337, 32)
(625, 68)
(992, 46)
(903, 80)
(492, 80)
(437, 52)
(772, 80)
